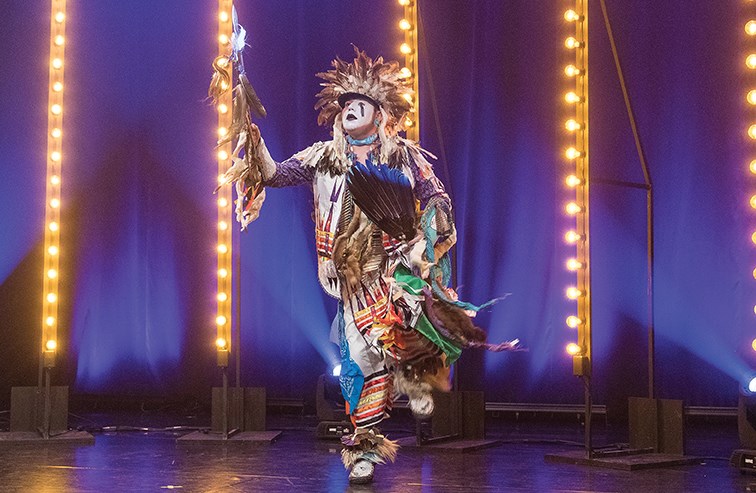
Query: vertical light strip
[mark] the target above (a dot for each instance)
(750, 97)
(577, 179)
(51, 273)
(409, 48)
(224, 246)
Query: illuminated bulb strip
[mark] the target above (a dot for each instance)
(409, 48)
(577, 154)
(225, 201)
(55, 160)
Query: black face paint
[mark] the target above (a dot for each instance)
(362, 108)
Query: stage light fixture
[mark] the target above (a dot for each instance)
(572, 181)
(573, 321)
(753, 237)
(408, 24)
(751, 61)
(754, 273)
(224, 243)
(751, 97)
(752, 131)
(572, 126)
(52, 191)
(336, 371)
(753, 342)
(753, 201)
(752, 385)
(572, 71)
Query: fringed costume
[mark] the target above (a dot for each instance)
(383, 230)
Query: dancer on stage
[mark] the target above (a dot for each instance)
(383, 230)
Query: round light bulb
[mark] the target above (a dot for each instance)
(572, 97)
(573, 264)
(571, 71)
(573, 321)
(405, 25)
(222, 202)
(573, 349)
(223, 39)
(408, 122)
(751, 97)
(751, 61)
(60, 17)
(53, 226)
(571, 16)
(572, 208)
(51, 345)
(222, 131)
(753, 201)
(573, 293)
(54, 203)
(405, 72)
(56, 133)
(750, 28)
(52, 250)
(55, 156)
(222, 273)
(222, 155)
(405, 49)
(572, 125)
(572, 181)
(572, 153)
(55, 180)
(52, 273)
(571, 237)
(222, 108)
(50, 321)
(223, 225)
(220, 320)
(753, 237)
(222, 248)
(222, 297)
(752, 166)
(220, 343)
(572, 43)
(57, 63)
(56, 109)
(404, 3)
(51, 297)
(223, 16)
(57, 86)
(59, 40)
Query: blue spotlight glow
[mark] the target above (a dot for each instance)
(752, 385)
(337, 371)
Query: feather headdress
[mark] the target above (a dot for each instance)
(378, 80)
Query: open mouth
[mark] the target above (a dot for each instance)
(351, 117)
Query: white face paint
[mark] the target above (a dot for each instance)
(358, 117)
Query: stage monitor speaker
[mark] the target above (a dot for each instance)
(459, 414)
(246, 409)
(28, 409)
(657, 424)
(747, 421)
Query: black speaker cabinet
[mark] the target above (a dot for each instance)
(657, 424)
(28, 408)
(246, 409)
(459, 413)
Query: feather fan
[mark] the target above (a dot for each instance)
(385, 196)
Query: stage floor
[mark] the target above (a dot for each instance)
(125, 458)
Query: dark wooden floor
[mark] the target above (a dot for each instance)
(125, 458)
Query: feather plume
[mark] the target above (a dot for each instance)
(385, 196)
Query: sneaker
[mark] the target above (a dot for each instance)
(362, 472)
